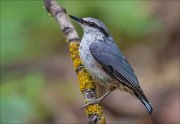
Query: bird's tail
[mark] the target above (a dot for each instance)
(144, 100)
(147, 105)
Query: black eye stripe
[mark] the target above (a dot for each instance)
(100, 29)
(103, 31)
(92, 24)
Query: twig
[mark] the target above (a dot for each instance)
(87, 86)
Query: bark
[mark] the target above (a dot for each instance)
(87, 85)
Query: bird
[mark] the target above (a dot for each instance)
(104, 61)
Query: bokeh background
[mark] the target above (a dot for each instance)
(39, 85)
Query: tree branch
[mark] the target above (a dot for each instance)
(87, 85)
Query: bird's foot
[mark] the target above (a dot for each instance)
(96, 101)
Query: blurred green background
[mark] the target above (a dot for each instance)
(39, 85)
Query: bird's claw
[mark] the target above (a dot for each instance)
(96, 101)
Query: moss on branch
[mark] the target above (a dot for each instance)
(87, 85)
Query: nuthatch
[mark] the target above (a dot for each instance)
(104, 61)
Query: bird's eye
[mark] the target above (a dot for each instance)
(91, 23)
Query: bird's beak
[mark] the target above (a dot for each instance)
(77, 19)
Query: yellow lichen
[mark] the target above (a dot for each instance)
(74, 50)
(102, 120)
(74, 46)
(86, 81)
(77, 63)
(94, 109)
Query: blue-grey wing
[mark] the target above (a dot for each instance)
(108, 55)
(110, 58)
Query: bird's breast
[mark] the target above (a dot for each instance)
(91, 64)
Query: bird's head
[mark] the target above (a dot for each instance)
(91, 25)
